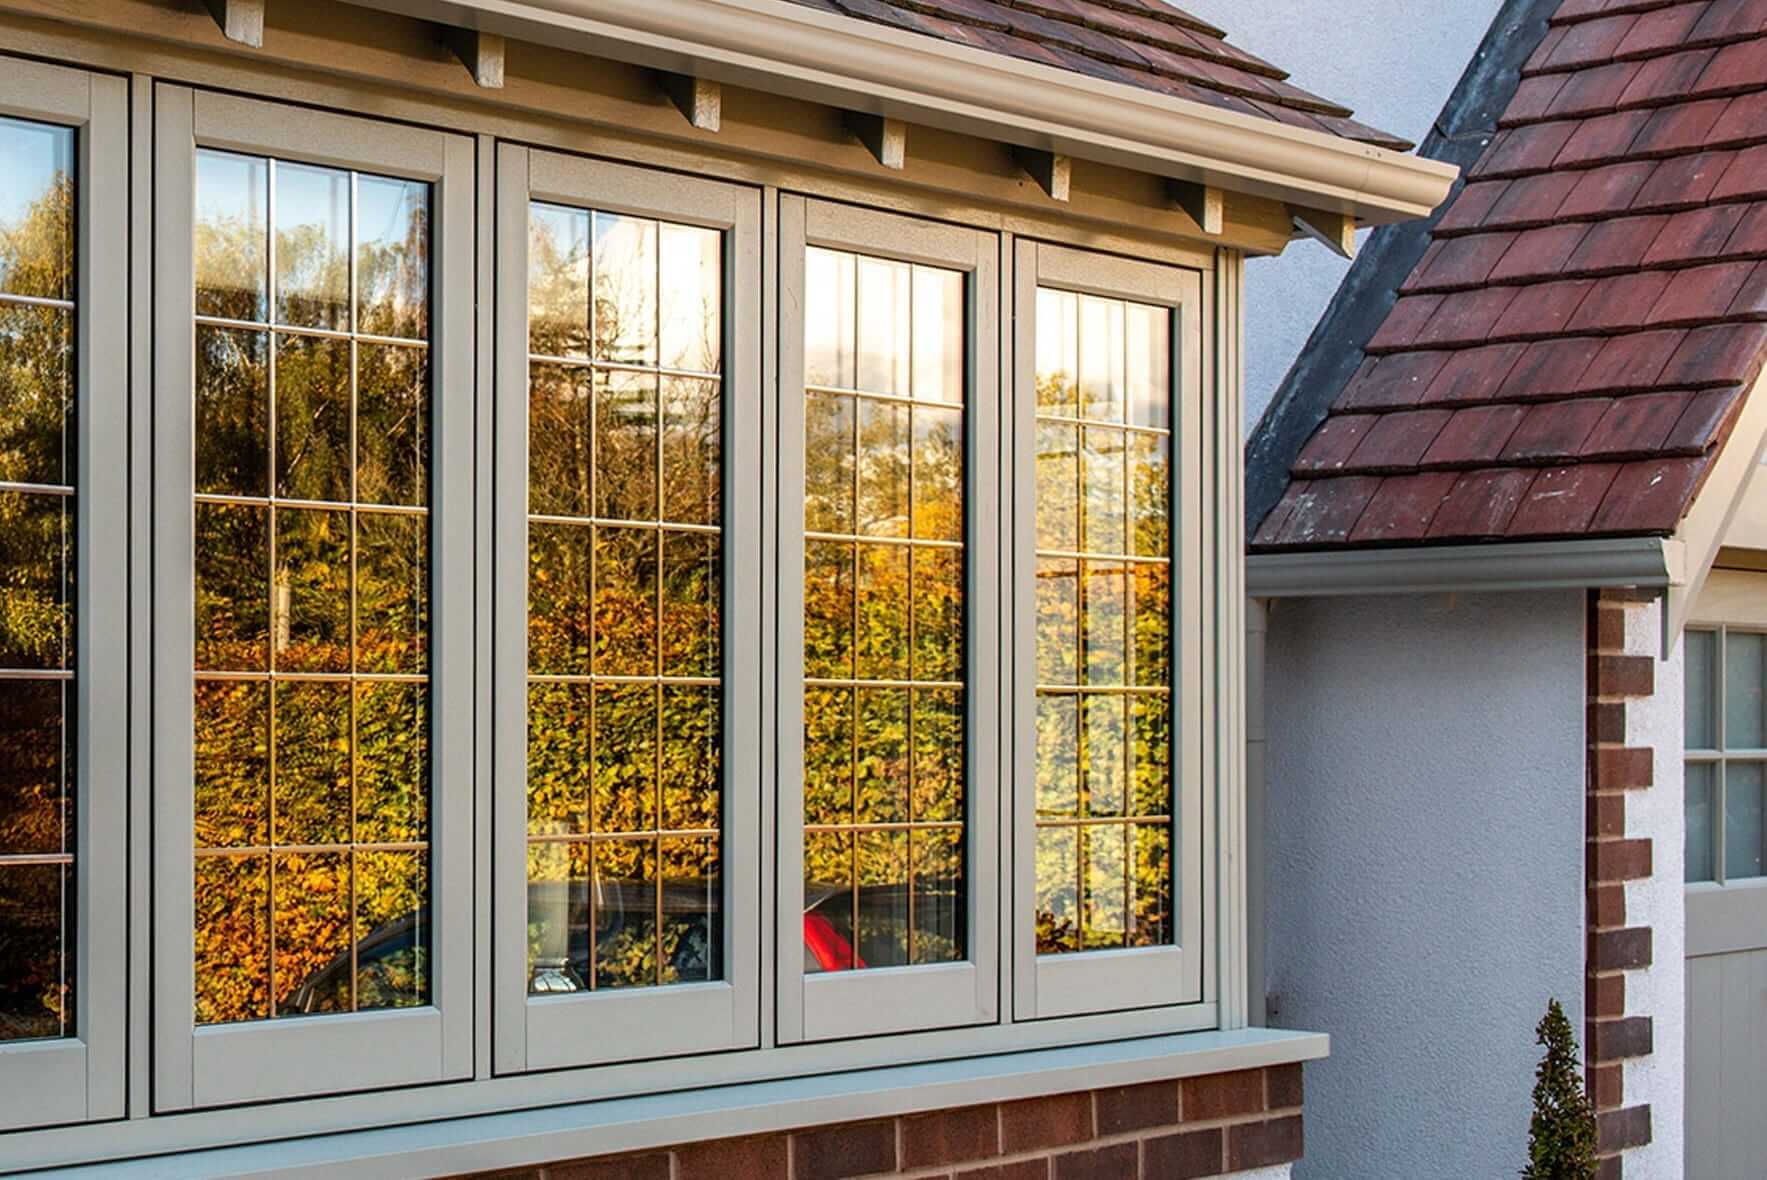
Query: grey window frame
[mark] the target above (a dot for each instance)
(1721, 756)
(82, 1077)
(1182, 974)
(878, 1001)
(598, 1027)
(224, 1064)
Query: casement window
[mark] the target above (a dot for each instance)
(628, 583)
(313, 629)
(1107, 698)
(1726, 743)
(63, 594)
(889, 653)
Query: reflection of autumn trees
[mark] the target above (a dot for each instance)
(312, 789)
(36, 964)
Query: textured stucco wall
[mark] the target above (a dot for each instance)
(1658, 901)
(1424, 879)
(1392, 61)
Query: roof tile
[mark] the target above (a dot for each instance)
(1634, 426)
(1665, 28)
(1620, 302)
(1405, 321)
(1461, 262)
(1693, 293)
(1630, 362)
(1472, 206)
(1694, 234)
(1552, 430)
(1393, 382)
(1684, 180)
(1472, 375)
(1587, 92)
(1475, 435)
(1678, 73)
(1551, 367)
(1590, 43)
(1532, 200)
(1706, 419)
(1594, 141)
(1539, 253)
(1331, 445)
(1397, 441)
(1648, 495)
(1402, 508)
(1679, 128)
(1537, 96)
(1481, 504)
(1609, 189)
(1745, 177)
(1617, 244)
(1318, 511)
(1562, 500)
(1543, 309)
(1742, 122)
(1465, 317)
(1734, 67)
(1720, 354)
(1524, 149)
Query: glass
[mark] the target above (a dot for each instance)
(312, 213)
(37, 210)
(1104, 624)
(1743, 835)
(311, 769)
(1700, 716)
(36, 611)
(884, 612)
(36, 391)
(1743, 680)
(625, 601)
(1700, 785)
(37, 951)
(36, 807)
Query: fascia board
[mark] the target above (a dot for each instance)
(789, 49)
(1536, 565)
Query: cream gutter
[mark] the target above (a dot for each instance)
(788, 49)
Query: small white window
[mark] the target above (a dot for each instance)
(1726, 742)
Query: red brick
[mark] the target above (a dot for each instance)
(1283, 1087)
(1623, 675)
(1606, 906)
(1623, 768)
(1136, 1108)
(1223, 1095)
(1562, 500)
(1707, 417)
(1610, 626)
(1607, 721)
(1607, 1084)
(1481, 504)
(1605, 815)
(1188, 1155)
(1472, 375)
(1650, 495)
(1475, 435)
(1037, 1169)
(627, 1167)
(1115, 1162)
(1554, 430)
(1403, 507)
(950, 1136)
(1260, 1145)
(1539, 253)
(1056, 1121)
(1618, 1130)
(1620, 302)
(1701, 293)
(1619, 860)
(1397, 441)
(1637, 424)
(852, 1149)
(725, 1159)
(1338, 436)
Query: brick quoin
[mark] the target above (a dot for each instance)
(1189, 1129)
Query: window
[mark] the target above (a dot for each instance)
(1109, 576)
(1726, 741)
(63, 595)
(631, 775)
(311, 814)
(889, 652)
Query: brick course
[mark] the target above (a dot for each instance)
(1176, 1130)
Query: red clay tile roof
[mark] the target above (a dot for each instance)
(1143, 43)
(1571, 351)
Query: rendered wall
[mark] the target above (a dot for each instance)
(1394, 62)
(1424, 867)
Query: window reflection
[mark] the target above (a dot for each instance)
(311, 769)
(37, 660)
(625, 592)
(1104, 790)
(883, 613)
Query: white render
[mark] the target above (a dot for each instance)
(1424, 867)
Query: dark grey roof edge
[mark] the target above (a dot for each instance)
(1334, 351)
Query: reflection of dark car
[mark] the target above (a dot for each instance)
(625, 912)
(391, 971)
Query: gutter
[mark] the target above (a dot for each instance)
(1529, 565)
(792, 50)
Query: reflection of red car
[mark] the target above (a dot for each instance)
(824, 948)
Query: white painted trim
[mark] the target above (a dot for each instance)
(527, 1138)
(1726, 918)
(797, 51)
(1522, 565)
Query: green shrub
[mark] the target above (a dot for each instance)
(1561, 1137)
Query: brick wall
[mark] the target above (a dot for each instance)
(1178, 1130)
(1615, 773)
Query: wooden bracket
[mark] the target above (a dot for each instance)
(481, 54)
(699, 101)
(1204, 203)
(887, 138)
(1335, 231)
(240, 20)
(1052, 171)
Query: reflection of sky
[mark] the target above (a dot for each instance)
(33, 153)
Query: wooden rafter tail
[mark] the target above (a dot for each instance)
(1204, 203)
(481, 53)
(1052, 171)
(699, 100)
(240, 20)
(1335, 231)
(886, 138)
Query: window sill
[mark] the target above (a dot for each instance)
(530, 1137)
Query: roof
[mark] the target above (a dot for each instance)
(1568, 355)
(1147, 44)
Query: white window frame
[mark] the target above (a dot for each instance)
(626, 1024)
(1102, 981)
(82, 1077)
(303, 1056)
(878, 1001)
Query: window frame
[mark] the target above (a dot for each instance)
(82, 1077)
(224, 1064)
(886, 1000)
(1047, 986)
(600, 1027)
(1721, 756)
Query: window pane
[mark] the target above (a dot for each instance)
(625, 602)
(1742, 820)
(311, 773)
(1700, 668)
(1742, 691)
(37, 658)
(1700, 782)
(1104, 625)
(884, 589)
